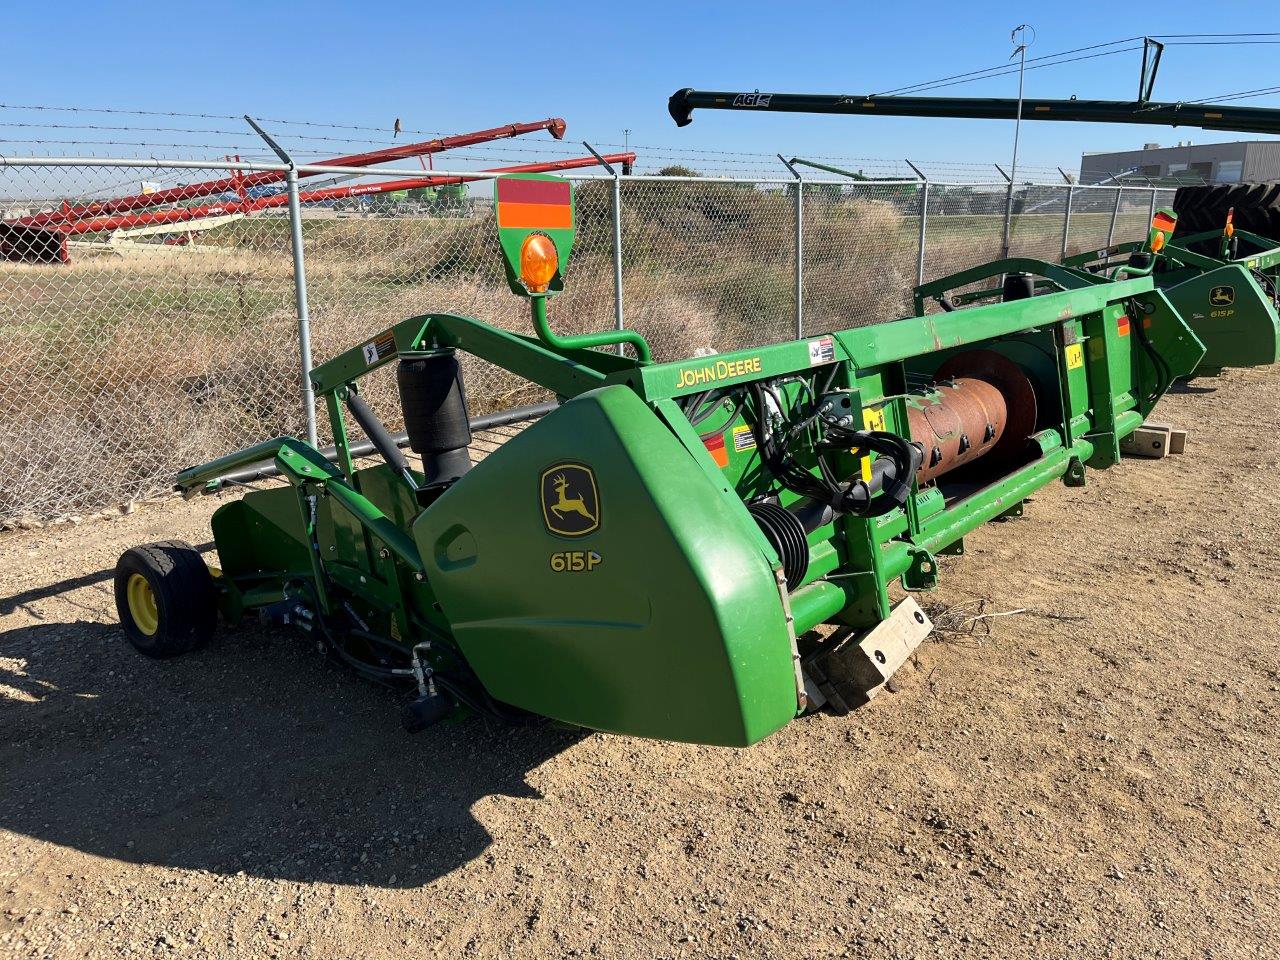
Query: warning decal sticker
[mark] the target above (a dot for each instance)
(822, 350)
(380, 348)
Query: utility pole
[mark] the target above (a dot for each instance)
(626, 141)
(1018, 36)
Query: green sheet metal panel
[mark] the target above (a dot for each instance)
(627, 599)
(1231, 315)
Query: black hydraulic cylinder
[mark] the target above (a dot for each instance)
(378, 435)
(1207, 116)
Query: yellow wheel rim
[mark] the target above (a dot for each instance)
(142, 604)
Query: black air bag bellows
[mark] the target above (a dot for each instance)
(434, 402)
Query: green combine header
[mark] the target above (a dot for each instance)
(699, 550)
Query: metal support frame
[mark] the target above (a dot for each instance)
(799, 245)
(1115, 215)
(299, 280)
(1066, 219)
(617, 237)
(1152, 213)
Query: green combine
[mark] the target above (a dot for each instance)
(696, 551)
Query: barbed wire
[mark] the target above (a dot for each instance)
(306, 147)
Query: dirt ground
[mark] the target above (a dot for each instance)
(1095, 776)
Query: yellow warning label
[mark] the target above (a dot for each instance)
(1075, 356)
(872, 419)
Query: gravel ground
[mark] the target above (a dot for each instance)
(1094, 776)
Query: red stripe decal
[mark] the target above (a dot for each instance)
(533, 191)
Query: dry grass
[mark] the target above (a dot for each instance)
(118, 371)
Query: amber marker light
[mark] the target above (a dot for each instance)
(538, 262)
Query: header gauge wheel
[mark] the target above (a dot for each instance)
(165, 598)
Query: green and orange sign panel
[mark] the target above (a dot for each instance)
(528, 203)
(1162, 227)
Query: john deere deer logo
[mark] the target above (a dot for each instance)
(1222, 296)
(570, 500)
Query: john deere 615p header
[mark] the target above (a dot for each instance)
(653, 556)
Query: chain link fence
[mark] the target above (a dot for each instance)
(130, 349)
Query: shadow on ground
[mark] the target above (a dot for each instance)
(249, 756)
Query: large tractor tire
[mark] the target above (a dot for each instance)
(166, 598)
(1202, 208)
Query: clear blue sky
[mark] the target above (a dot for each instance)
(607, 66)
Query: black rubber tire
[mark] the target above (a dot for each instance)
(1203, 208)
(185, 596)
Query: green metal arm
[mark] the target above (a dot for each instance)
(190, 480)
(1266, 253)
(1079, 260)
(1065, 278)
(301, 464)
(538, 305)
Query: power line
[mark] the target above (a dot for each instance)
(1219, 43)
(1011, 69)
(1171, 36)
(1177, 39)
(1242, 95)
(1000, 66)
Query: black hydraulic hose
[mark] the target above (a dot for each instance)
(1164, 375)
(484, 703)
(895, 484)
(854, 497)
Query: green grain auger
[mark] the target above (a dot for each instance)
(656, 555)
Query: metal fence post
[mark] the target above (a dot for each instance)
(921, 239)
(924, 220)
(1115, 214)
(799, 246)
(299, 282)
(304, 312)
(1153, 205)
(617, 250)
(617, 237)
(1007, 236)
(1066, 219)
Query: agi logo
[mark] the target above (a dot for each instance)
(570, 500)
(752, 99)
